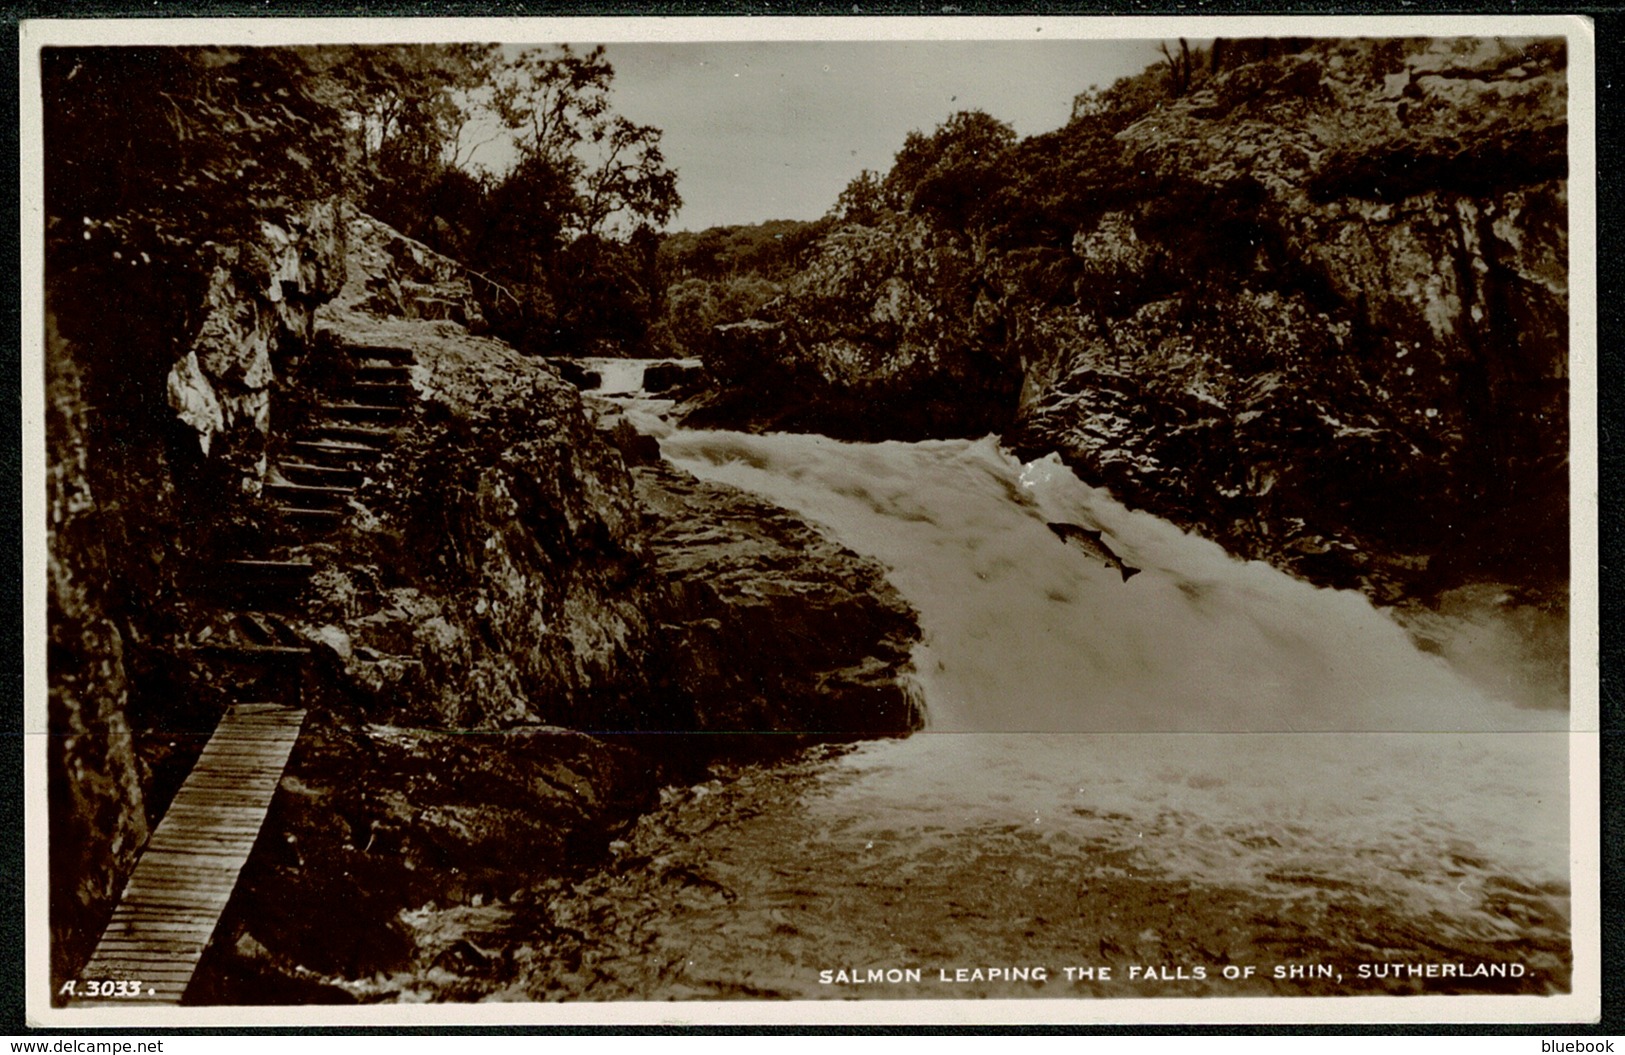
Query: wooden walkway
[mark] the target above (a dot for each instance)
(185, 876)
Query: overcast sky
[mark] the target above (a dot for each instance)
(775, 130)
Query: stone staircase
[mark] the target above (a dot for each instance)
(328, 459)
(173, 900)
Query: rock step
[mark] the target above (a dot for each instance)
(265, 628)
(378, 393)
(336, 453)
(249, 652)
(310, 496)
(372, 655)
(384, 353)
(305, 517)
(258, 582)
(369, 436)
(362, 412)
(322, 475)
(270, 569)
(384, 373)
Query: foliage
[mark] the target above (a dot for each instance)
(694, 306)
(161, 149)
(524, 216)
(555, 103)
(1181, 66)
(409, 107)
(631, 177)
(560, 230)
(552, 99)
(174, 147)
(940, 172)
(727, 274)
(774, 249)
(864, 200)
(972, 176)
(411, 101)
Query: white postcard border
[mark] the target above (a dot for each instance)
(1582, 1004)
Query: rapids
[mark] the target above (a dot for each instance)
(1215, 731)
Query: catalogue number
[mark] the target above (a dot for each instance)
(109, 987)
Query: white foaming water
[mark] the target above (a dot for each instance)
(624, 377)
(1221, 720)
(1025, 633)
(619, 376)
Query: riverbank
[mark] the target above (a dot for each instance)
(517, 636)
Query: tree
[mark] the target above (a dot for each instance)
(1128, 99)
(412, 100)
(409, 107)
(526, 214)
(555, 103)
(1181, 67)
(970, 139)
(631, 176)
(570, 228)
(551, 99)
(864, 200)
(159, 148)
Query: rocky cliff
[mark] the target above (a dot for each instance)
(1315, 307)
(257, 313)
(160, 380)
(516, 639)
(1338, 336)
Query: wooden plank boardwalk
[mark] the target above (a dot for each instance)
(184, 878)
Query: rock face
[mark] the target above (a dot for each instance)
(1337, 336)
(258, 309)
(160, 374)
(767, 626)
(1316, 308)
(98, 820)
(393, 275)
(499, 543)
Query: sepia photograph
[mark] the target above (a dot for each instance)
(810, 520)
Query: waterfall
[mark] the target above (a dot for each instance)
(1210, 724)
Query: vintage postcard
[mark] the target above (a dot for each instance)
(810, 521)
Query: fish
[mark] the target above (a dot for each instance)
(1092, 543)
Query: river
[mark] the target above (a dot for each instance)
(1125, 787)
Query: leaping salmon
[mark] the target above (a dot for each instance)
(1091, 543)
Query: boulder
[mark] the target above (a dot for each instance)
(578, 375)
(376, 827)
(637, 448)
(664, 377)
(742, 353)
(768, 627)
